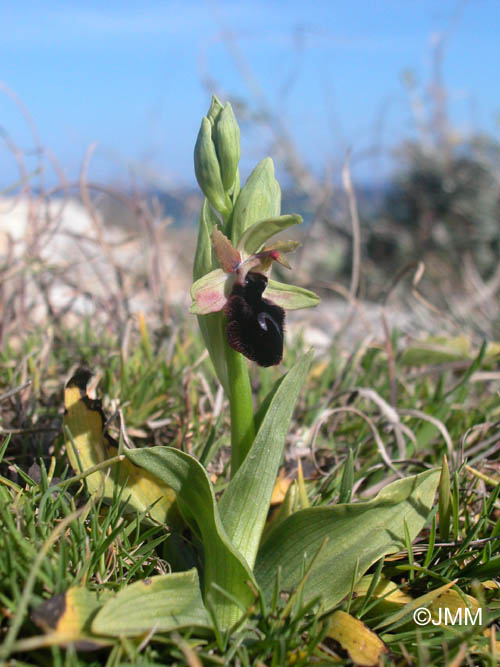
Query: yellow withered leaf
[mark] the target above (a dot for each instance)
(280, 512)
(66, 619)
(385, 590)
(87, 445)
(280, 488)
(364, 647)
(451, 605)
(492, 650)
(423, 601)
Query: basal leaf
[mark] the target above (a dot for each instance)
(223, 565)
(245, 503)
(162, 603)
(357, 534)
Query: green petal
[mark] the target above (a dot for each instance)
(257, 234)
(209, 292)
(290, 297)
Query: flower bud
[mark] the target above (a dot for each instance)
(214, 111)
(226, 134)
(207, 170)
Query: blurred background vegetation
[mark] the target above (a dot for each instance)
(423, 238)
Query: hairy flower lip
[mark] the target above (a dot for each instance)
(255, 325)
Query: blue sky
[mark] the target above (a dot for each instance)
(129, 75)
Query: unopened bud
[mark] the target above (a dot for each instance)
(214, 111)
(226, 134)
(207, 170)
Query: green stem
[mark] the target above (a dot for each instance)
(241, 407)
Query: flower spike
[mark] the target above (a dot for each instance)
(234, 257)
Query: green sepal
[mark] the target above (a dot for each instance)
(290, 297)
(258, 200)
(254, 237)
(209, 292)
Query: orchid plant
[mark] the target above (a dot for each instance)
(240, 309)
(241, 313)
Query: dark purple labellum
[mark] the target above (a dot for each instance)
(255, 325)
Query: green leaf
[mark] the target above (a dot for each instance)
(257, 234)
(266, 401)
(347, 481)
(245, 503)
(358, 535)
(259, 199)
(290, 297)
(162, 603)
(223, 565)
(211, 326)
(488, 570)
(437, 350)
(213, 330)
(203, 259)
(444, 501)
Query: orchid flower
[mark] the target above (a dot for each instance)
(254, 309)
